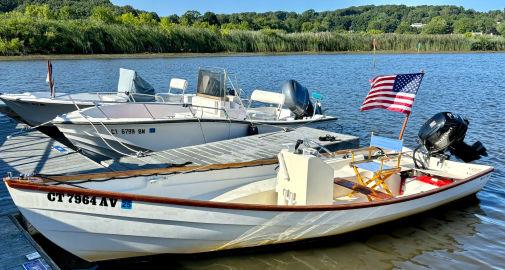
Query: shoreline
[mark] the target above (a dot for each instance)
(217, 54)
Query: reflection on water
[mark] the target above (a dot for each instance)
(469, 234)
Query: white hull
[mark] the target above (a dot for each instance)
(150, 228)
(118, 139)
(35, 113)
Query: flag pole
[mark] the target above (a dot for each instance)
(374, 43)
(50, 77)
(404, 126)
(406, 119)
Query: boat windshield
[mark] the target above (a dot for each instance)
(211, 83)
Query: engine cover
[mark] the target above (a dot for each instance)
(297, 99)
(446, 131)
(442, 130)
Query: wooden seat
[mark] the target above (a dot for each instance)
(375, 165)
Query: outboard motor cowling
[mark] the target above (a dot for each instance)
(446, 131)
(297, 99)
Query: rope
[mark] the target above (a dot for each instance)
(229, 123)
(199, 123)
(139, 153)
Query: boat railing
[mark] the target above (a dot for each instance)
(191, 109)
(102, 97)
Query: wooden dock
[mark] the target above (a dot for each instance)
(25, 154)
(19, 250)
(263, 146)
(35, 153)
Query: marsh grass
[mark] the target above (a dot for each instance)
(22, 36)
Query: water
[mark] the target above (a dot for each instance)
(466, 235)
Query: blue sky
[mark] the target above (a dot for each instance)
(168, 7)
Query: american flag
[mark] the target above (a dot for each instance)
(394, 92)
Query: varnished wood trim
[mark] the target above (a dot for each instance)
(143, 172)
(20, 184)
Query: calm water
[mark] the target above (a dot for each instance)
(466, 235)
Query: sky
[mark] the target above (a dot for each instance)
(168, 7)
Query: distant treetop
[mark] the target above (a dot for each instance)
(372, 19)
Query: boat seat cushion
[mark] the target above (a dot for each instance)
(372, 166)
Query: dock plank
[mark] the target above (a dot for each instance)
(16, 245)
(236, 150)
(33, 152)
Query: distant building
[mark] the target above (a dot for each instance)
(417, 25)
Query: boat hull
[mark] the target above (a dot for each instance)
(274, 126)
(117, 139)
(36, 113)
(151, 227)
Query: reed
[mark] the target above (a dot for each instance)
(22, 35)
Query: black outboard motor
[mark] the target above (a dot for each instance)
(446, 131)
(297, 99)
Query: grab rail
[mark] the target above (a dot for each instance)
(152, 116)
(128, 97)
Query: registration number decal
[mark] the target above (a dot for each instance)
(126, 204)
(88, 200)
(128, 131)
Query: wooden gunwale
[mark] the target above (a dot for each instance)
(21, 184)
(144, 172)
(179, 169)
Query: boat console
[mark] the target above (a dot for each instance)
(216, 96)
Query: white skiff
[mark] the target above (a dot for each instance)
(231, 207)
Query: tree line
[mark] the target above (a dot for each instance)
(98, 26)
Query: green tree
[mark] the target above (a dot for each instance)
(128, 18)
(404, 28)
(166, 23)
(66, 13)
(501, 28)
(486, 25)
(236, 26)
(12, 47)
(38, 11)
(437, 25)
(146, 19)
(9, 5)
(189, 17)
(464, 25)
(174, 18)
(308, 27)
(103, 14)
(210, 18)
